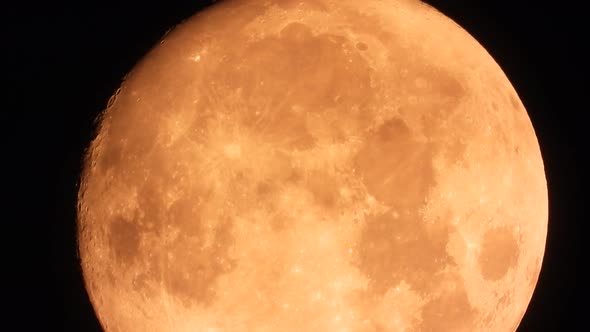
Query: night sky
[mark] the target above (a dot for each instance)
(65, 60)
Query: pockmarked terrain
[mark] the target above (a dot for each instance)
(313, 166)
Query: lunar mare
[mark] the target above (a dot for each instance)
(313, 165)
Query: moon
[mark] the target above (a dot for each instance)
(313, 166)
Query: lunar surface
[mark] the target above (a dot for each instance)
(313, 166)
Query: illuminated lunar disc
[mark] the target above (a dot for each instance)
(314, 166)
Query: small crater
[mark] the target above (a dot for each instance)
(514, 101)
(264, 188)
(362, 46)
(392, 130)
(494, 106)
(504, 301)
(499, 252)
(296, 32)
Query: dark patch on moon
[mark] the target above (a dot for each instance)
(449, 311)
(369, 24)
(150, 204)
(279, 221)
(436, 83)
(190, 269)
(444, 84)
(184, 213)
(265, 199)
(121, 140)
(323, 187)
(392, 249)
(455, 151)
(264, 188)
(120, 134)
(124, 240)
(111, 156)
(280, 80)
(182, 262)
(393, 129)
(439, 94)
(494, 106)
(396, 168)
(499, 252)
(308, 5)
(283, 77)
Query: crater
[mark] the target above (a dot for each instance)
(362, 46)
(396, 168)
(265, 188)
(499, 252)
(514, 101)
(296, 33)
(393, 248)
(495, 106)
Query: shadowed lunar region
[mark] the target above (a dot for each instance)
(313, 165)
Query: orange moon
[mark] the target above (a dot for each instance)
(313, 166)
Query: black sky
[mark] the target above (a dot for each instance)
(65, 60)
